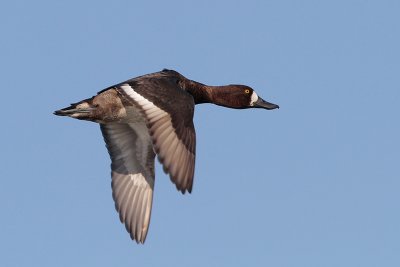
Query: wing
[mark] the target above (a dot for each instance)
(169, 113)
(132, 166)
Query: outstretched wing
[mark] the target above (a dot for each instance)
(169, 114)
(132, 157)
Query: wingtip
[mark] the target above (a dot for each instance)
(184, 190)
(139, 241)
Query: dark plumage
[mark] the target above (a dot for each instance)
(147, 116)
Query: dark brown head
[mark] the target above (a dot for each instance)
(238, 96)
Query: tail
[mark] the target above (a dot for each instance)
(83, 110)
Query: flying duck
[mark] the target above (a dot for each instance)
(147, 116)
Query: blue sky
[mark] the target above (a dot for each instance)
(315, 183)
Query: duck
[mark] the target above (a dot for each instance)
(148, 116)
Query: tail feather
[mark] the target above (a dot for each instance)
(105, 107)
(71, 111)
(83, 110)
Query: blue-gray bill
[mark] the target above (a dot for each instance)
(261, 103)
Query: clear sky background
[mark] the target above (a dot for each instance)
(315, 183)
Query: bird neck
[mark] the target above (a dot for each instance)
(201, 93)
(208, 94)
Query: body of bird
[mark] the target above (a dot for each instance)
(147, 116)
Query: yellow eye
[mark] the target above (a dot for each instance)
(247, 91)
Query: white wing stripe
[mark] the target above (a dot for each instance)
(161, 121)
(120, 185)
(155, 116)
(172, 152)
(125, 202)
